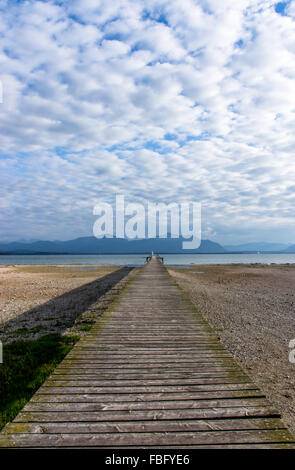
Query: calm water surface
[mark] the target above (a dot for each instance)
(139, 260)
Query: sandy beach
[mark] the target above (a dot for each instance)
(252, 309)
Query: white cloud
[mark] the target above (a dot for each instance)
(164, 100)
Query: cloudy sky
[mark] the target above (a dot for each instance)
(159, 100)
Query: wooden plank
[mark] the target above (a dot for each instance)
(146, 380)
(145, 389)
(169, 372)
(198, 361)
(151, 351)
(145, 405)
(110, 359)
(149, 379)
(146, 359)
(145, 383)
(127, 397)
(111, 377)
(149, 426)
(154, 438)
(140, 415)
(150, 354)
(196, 365)
(151, 338)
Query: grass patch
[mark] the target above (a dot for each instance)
(85, 327)
(20, 331)
(26, 365)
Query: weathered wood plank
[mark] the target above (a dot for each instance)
(149, 426)
(210, 446)
(145, 389)
(140, 415)
(163, 371)
(155, 438)
(142, 397)
(145, 405)
(146, 380)
(140, 365)
(113, 355)
(144, 351)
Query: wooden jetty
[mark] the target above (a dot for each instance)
(150, 374)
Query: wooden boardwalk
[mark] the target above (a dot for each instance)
(151, 373)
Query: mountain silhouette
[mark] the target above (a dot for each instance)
(92, 245)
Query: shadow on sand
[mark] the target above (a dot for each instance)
(59, 313)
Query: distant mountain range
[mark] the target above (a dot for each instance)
(92, 245)
(290, 249)
(258, 246)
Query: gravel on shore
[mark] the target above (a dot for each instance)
(252, 307)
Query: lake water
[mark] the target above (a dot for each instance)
(139, 260)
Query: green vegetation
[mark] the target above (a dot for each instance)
(26, 365)
(85, 327)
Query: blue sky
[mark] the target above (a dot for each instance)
(165, 101)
